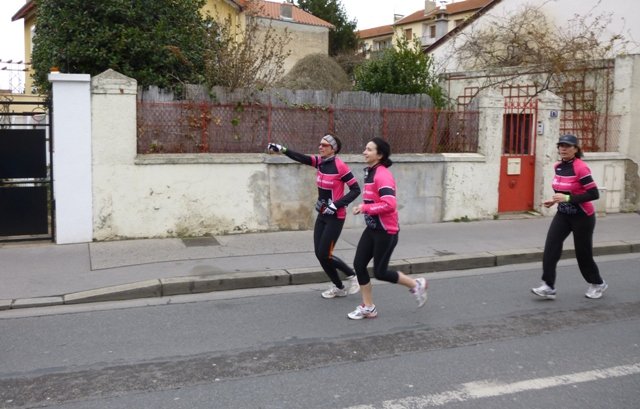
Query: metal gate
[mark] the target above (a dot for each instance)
(26, 188)
(517, 164)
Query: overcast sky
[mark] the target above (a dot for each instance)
(368, 13)
(11, 33)
(374, 13)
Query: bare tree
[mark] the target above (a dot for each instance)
(245, 56)
(527, 44)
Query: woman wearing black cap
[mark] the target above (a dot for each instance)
(331, 177)
(574, 192)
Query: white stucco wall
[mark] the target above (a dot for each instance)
(193, 195)
(163, 195)
(184, 199)
(626, 103)
(470, 186)
(293, 191)
(608, 171)
(622, 190)
(546, 150)
(72, 157)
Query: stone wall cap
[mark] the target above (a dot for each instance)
(113, 82)
(62, 77)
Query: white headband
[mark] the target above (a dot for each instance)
(332, 141)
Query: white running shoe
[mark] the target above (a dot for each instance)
(362, 312)
(545, 291)
(595, 290)
(352, 285)
(420, 291)
(334, 292)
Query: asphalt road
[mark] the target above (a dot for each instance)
(482, 341)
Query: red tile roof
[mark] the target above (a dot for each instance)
(462, 6)
(478, 14)
(271, 10)
(268, 9)
(375, 32)
(452, 8)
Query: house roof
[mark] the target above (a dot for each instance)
(267, 9)
(462, 26)
(271, 10)
(25, 10)
(375, 32)
(451, 8)
(463, 6)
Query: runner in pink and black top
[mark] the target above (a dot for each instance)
(331, 177)
(380, 237)
(573, 178)
(575, 190)
(380, 208)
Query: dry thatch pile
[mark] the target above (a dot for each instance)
(317, 72)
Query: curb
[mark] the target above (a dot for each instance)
(165, 287)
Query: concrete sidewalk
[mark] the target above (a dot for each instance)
(43, 274)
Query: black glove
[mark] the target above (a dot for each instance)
(274, 147)
(330, 209)
(320, 205)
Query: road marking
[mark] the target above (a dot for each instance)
(487, 388)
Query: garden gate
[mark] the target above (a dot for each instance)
(26, 189)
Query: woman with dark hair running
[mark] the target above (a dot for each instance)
(574, 192)
(332, 175)
(380, 237)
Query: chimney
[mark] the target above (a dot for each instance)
(286, 11)
(429, 6)
(397, 17)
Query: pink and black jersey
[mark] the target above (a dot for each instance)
(331, 177)
(380, 207)
(574, 178)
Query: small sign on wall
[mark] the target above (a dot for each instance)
(513, 166)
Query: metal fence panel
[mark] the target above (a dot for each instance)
(192, 127)
(596, 132)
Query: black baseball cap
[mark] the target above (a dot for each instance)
(568, 139)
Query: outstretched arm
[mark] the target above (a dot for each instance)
(298, 157)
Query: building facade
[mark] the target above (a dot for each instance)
(427, 25)
(309, 34)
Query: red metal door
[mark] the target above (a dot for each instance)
(517, 165)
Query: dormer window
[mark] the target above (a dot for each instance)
(286, 11)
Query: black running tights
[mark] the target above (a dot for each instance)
(582, 227)
(377, 245)
(325, 235)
